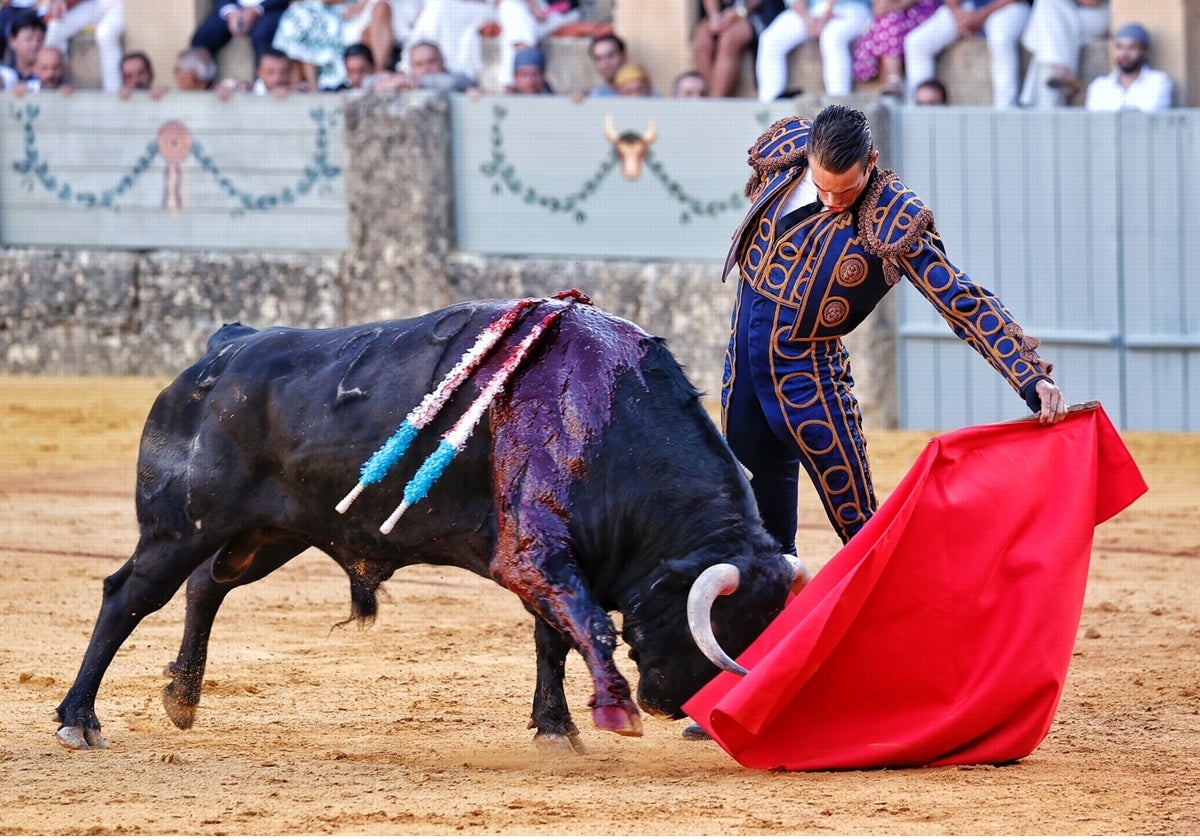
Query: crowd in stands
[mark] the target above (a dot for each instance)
(326, 45)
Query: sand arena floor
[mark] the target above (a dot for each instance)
(417, 725)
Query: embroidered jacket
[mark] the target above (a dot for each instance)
(828, 271)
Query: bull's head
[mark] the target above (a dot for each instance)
(715, 581)
(672, 665)
(631, 147)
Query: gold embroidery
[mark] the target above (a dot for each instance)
(834, 312)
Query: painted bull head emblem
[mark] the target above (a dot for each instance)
(631, 147)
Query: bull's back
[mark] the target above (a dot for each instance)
(271, 427)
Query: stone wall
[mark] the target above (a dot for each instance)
(151, 312)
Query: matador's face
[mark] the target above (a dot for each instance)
(839, 190)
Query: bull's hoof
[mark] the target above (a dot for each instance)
(181, 713)
(77, 738)
(556, 744)
(696, 732)
(617, 719)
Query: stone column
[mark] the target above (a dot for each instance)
(1173, 26)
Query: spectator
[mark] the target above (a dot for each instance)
(50, 72)
(10, 10)
(137, 73)
(315, 34)
(930, 92)
(67, 18)
(690, 84)
(428, 70)
(1133, 85)
(360, 66)
(726, 30)
(195, 69)
(454, 26)
(880, 52)
(1000, 21)
(274, 74)
(836, 24)
(529, 72)
(27, 38)
(253, 19)
(524, 23)
(633, 80)
(608, 54)
(1054, 36)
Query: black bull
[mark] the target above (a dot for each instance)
(596, 482)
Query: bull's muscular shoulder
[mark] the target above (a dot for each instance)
(892, 217)
(780, 147)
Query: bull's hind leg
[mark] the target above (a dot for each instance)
(143, 585)
(245, 560)
(556, 731)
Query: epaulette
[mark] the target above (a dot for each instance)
(891, 219)
(780, 147)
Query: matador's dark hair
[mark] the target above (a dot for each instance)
(840, 138)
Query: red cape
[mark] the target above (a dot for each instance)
(942, 633)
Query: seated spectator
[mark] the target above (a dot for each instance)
(427, 71)
(529, 73)
(930, 92)
(360, 66)
(454, 26)
(27, 38)
(836, 24)
(195, 69)
(1000, 21)
(880, 52)
(608, 54)
(1054, 36)
(728, 28)
(273, 76)
(253, 19)
(50, 72)
(690, 84)
(315, 34)
(633, 80)
(10, 10)
(67, 18)
(137, 73)
(1133, 85)
(524, 23)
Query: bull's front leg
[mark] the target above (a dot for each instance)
(549, 581)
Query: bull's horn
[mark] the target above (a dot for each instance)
(610, 131)
(721, 579)
(651, 133)
(800, 573)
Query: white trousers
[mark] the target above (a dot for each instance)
(108, 16)
(789, 31)
(1003, 32)
(519, 26)
(1055, 35)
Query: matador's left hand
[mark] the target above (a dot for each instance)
(1054, 402)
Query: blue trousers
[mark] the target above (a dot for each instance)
(788, 404)
(213, 33)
